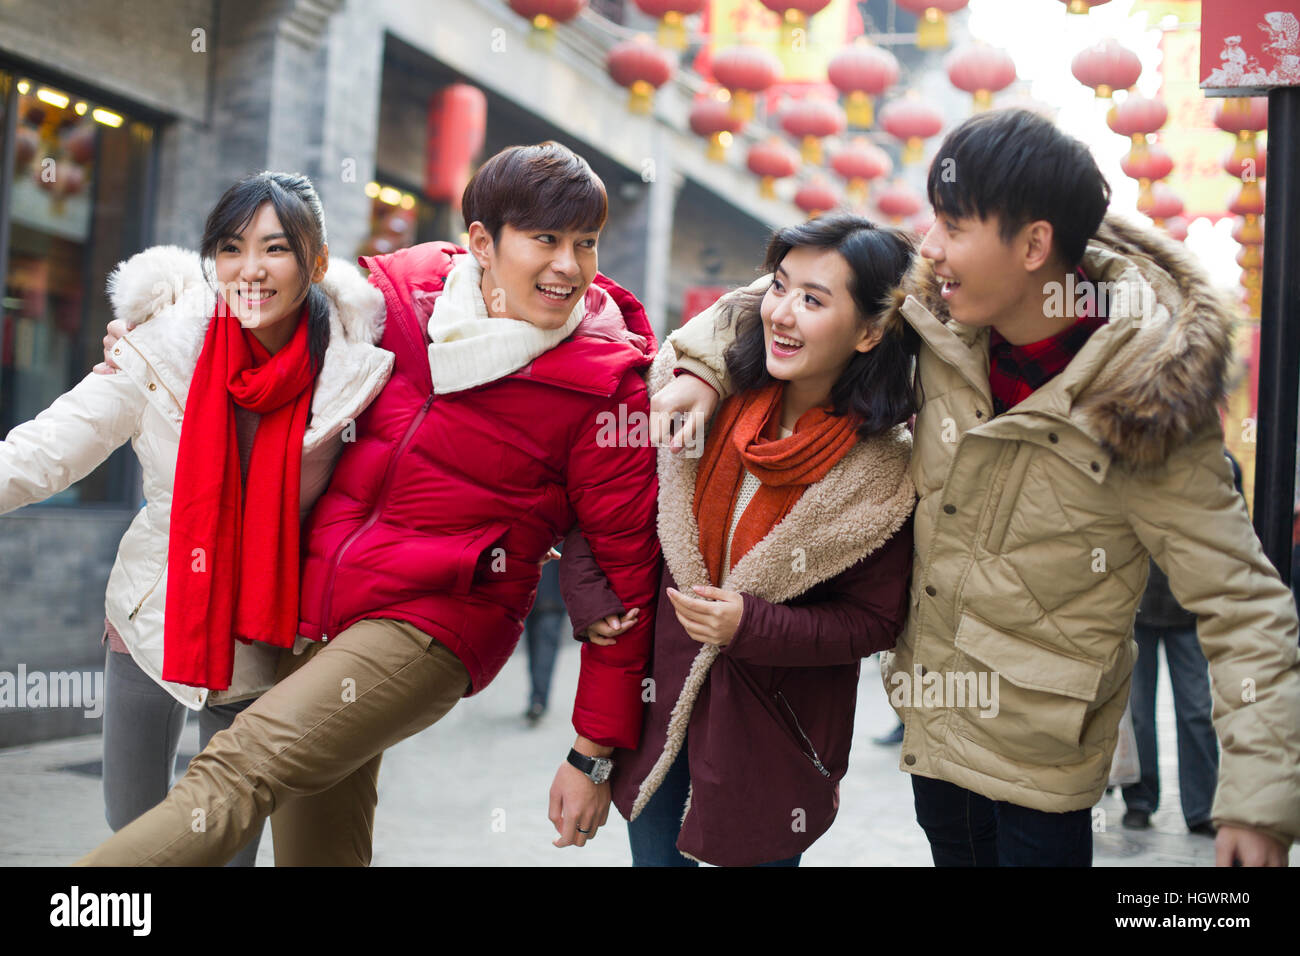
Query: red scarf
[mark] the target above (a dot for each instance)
(785, 466)
(233, 554)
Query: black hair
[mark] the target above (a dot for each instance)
(877, 386)
(1017, 166)
(546, 186)
(296, 205)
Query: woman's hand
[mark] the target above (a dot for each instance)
(116, 329)
(710, 618)
(606, 631)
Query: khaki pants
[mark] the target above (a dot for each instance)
(307, 750)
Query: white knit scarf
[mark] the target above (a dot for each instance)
(470, 348)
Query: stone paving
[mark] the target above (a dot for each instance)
(472, 790)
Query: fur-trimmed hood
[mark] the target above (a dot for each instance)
(165, 299)
(1160, 369)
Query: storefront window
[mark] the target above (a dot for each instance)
(400, 218)
(73, 203)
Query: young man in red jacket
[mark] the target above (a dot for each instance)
(422, 559)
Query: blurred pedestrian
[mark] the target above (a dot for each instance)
(542, 630)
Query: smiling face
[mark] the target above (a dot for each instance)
(981, 273)
(811, 325)
(534, 275)
(258, 276)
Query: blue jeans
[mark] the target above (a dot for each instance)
(653, 834)
(1198, 751)
(542, 636)
(966, 829)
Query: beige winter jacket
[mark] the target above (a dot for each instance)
(145, 402)
(1032, 536)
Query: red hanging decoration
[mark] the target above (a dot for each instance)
(809, 121)
(642, 67)
(711, 117)
(1106, 67)
(981, 71)
(771, 160)
(912, 121)
(1137, 117)
(859, 163)
(861, 71)
(816, 197)
(744, 71)
(898, 201)
(545, 14)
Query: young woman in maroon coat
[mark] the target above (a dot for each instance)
(787, 547)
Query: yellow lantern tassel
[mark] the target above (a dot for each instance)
(542, 35)
(718, 143)
(794, 20)
(672, 31)
(983, 101)
(742, 105)
(859, 108)
(640, 98)
(767, 187)
(810, 149)
(914, 151)
(932, 30)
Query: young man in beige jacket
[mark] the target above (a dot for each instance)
(1071, 368)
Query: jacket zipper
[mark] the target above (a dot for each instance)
(136, 610)
(816, 761)
(372, 517)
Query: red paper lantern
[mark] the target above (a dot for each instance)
(772, 160)
(1249, 200)
(744, 71)
(1136, 117)
(1177, 228)
(711, 117)
(1243, 116)
(859, 163)
(810, 120)
(861, 71)
(544, 14)
(816, 197)
(1249, 231)
(453, 137)
(642, 67)
(981, 71)
(1106, 67)
(1254, 165)
(912, 121)
(671, 14)
(898, 201)
(1164, 204)
(931, 24)
(1146, 166)
(1082, 6)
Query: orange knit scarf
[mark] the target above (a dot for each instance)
(740, 441)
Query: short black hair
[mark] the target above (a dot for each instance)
(877, 386)
(546, 186)
(1018, 167)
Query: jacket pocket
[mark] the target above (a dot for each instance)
(1039, 696)
(1008, 494)
(797, 732)
(136, 605)
(402, 564)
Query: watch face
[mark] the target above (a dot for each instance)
(600, 772)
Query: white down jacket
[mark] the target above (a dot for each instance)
(145, 402)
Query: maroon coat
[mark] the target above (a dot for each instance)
(441, 510)
(770, 727)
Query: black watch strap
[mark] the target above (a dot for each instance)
(582, 762)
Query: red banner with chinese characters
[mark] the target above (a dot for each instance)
(1190, 136)
(1249, 46)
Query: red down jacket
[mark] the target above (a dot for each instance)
(442, 510)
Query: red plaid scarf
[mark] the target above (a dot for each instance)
(1017, 371)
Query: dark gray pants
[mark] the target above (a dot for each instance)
(142, 732)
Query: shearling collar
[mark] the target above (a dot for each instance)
(1146, 382)
(166, 302)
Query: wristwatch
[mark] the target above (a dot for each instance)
(597, 769)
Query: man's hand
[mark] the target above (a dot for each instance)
(607, 630)
(116, 329)
(1247, 847)
(711, 618)
(687, 400)
(578, 807)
